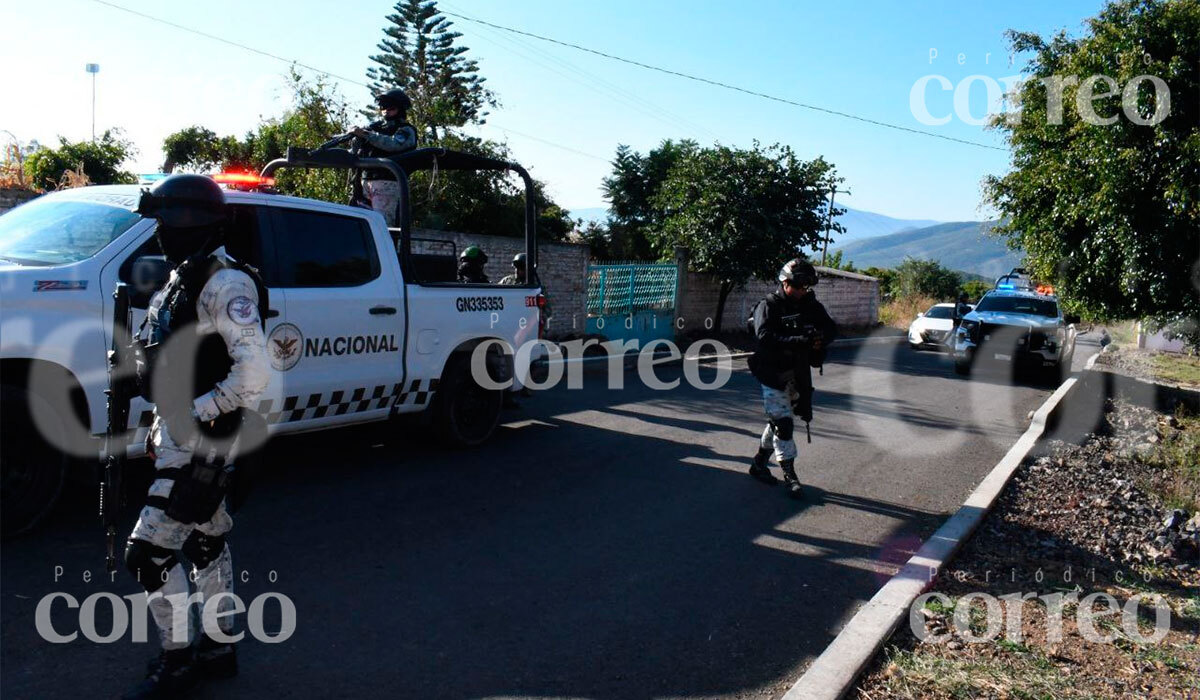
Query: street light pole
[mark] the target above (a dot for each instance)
(829, 222)
(93, 68)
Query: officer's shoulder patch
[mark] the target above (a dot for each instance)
(242, 310)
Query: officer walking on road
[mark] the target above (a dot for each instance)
(206, 361)
(793, 330)
(388, 136)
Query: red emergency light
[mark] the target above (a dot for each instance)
(243, 180)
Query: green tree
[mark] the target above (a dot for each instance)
(483, 202)
(975, 289)
(742, 213)
(834, 260)
(1110, 212)
(318, 111)
(631, 190)
(420, 54)
(101, 160)
(925, 277)
(887, 279)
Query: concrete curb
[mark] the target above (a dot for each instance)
(835, 670)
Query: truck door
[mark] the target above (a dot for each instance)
(244, 221)
(343, 319)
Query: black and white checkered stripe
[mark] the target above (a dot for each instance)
(419, 392)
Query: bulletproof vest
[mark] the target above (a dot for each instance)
(388, 127)
(203, 357)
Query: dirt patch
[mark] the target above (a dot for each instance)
(1162, 367)
(1117, 516)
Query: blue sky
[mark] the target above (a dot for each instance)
(858, 57)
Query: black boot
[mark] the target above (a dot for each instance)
(789, 475)
(214, 659)
(166, 677)
(759, 469)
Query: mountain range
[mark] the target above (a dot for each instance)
(878, 240)
(958, 245)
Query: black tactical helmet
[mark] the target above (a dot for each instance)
(800, 272)
(393, 99)
(519, 260)
(184, 201)
(474, 254)
(963, 298)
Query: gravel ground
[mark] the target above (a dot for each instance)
(1104, 516)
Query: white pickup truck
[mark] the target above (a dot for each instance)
(361, 326)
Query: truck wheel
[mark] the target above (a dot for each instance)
(962, 367)
(465, 412)
(31, 469)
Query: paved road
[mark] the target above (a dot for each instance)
(607, 543)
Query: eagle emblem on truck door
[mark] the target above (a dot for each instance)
(284, 345)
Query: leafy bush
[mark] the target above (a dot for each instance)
(100, 161)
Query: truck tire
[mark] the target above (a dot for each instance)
(32, 471)
(962, 367)
(465, 413)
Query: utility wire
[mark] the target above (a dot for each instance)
(637, 102)
(718, 83)
(229, 42)
(314, 69)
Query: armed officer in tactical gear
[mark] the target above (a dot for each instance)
(518, 273)
(380, 139)
(793, 330)
(470, 265)
(206, 361)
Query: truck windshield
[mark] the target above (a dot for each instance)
(52, 231)
(1018, 305)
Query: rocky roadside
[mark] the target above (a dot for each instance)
(1115, 516)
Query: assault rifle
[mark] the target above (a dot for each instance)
(122, 387)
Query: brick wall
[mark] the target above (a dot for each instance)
(562, 268)
(10, 198)
(851, 299)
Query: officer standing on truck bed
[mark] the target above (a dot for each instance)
(205, 361)
(380, 139)
(793, 330)
(470, 266)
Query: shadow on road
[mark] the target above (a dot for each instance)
(565, 558)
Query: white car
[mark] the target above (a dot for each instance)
(931, 328)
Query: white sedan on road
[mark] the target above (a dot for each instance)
(931, 328)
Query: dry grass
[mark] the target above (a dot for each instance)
(1178, 456)
(1123, 332)
(12, 168)
(899, 313)
(74, 178)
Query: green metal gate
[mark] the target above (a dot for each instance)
(632, 301)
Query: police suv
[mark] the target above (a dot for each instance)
(364, 322)
(1019, 323)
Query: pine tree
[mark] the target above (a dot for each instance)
(419, 55)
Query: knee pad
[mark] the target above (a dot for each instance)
(784, 428)
(202, 549)
(148, 562)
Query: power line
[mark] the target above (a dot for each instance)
(637, 102)
(720, 84)
(214, 37)
(314, 69)
(548, 143)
